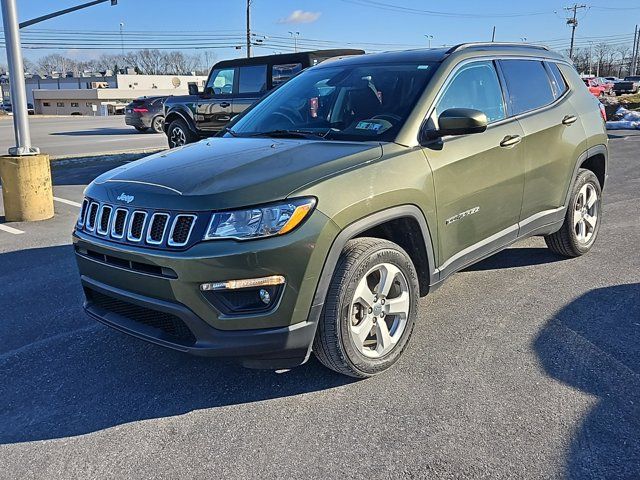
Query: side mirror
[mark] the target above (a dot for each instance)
(193, 89)
(459, 121)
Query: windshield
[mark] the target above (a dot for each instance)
(351, 102)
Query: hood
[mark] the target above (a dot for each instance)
(229, 172)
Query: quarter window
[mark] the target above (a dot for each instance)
(528, 84)
(252, 79)
(557, 80)
(60, 104)
(221, 82)
(475, 86)
(282, 73)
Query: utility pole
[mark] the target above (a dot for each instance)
(573, 21)
(634, 55)
(248, 28)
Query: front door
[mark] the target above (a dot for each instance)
(215, 107)
(478, 178)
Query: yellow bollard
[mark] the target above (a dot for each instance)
(26, 188)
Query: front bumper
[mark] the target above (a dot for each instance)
(278, 338)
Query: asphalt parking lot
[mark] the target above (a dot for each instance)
(523, 366)
(75, 136)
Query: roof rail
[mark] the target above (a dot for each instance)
(462, 46)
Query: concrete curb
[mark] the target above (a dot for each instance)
(67, 159)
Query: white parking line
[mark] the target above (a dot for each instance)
(9, 229)
(68, 202)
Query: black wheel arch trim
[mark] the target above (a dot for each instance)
(352, 231)
(170, 117)
(590, 152)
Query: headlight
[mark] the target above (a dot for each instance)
(275, 219)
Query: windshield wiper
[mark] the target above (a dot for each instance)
(290, 133)
(229, 131)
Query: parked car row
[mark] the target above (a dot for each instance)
(8, 108)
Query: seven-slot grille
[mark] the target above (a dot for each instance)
(136, 226)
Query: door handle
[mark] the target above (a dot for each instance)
(225, 104)
(569, 120)
(226, 118)
(510, 140)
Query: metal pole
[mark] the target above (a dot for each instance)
(16, 79)
(633, 51)
(248, 28)
(63, 12)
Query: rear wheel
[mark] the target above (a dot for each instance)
(180, 134)
(582, 221)
(157, 124)
(370, 309)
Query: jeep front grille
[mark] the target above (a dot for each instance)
(181, 230)
(157, 227)
(119, 223)
(137, 226)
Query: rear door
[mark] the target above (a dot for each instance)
(553, 137)
(215, 106)
(252, 84)
(478, 178)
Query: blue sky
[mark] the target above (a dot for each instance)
(371, 21)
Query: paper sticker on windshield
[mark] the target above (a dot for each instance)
(374, 127)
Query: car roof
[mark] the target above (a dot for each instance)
(300, 57)
(461, 50)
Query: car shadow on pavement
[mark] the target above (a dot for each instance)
(516, 257)
(593, 345)
(98, 131)
(63, 374)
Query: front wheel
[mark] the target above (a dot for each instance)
(582, 220)
(370, 309)
(179, 134)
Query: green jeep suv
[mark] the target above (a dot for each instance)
(323, 213)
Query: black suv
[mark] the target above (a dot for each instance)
(232, 87)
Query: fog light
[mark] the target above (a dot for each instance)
(265, 297)
(247, 283)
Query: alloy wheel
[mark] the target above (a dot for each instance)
(585, 216)
(379, 310)
(178, 137)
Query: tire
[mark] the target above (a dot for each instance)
(157, 124)
(141, 129)
(335, 344)
(569, 241)
(180, 134)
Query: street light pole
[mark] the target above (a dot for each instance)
(429, 38)
(16, 81)
(295, 36)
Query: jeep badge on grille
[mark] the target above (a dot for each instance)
(123, 197)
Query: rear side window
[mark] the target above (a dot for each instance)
(528, 84)
(476, 86)
(252, 79)
(282, 73)
(557, 80)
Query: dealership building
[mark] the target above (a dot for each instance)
(94, 94)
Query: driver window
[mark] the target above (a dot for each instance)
(221, 82)
(475, 86)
